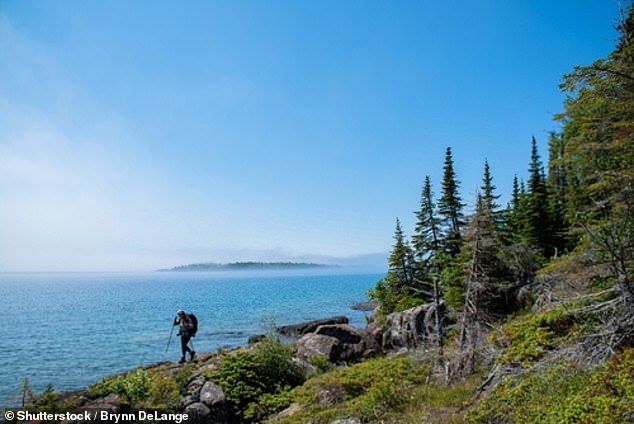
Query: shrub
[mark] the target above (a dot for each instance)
(564, 395)
(247, 377)
(374, 391)
(527, 338)
(141, 388)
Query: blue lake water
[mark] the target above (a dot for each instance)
(72, 329)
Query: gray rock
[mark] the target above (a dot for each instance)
(194, 386)
(408, 329)
(342, 332)
(318, 345)
(198, 413)
(347, 421)
(366, 306)
(298, 330)
(110, 404)
(355, 344)
(212, 395)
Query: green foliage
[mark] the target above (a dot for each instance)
(268, 404)
(397, 291)
(527, 338)
(321, 363)
(141, 388)
(372, 391)
(564, 395)
(49, 400)
(453, 283)
(248, 378)
(450, 208)
(380, 390)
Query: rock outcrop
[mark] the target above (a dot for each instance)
(410, 328)
(338, 343)
(298, 330)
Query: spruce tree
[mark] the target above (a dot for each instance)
(425, 238)
(396, 291)
(450, 208)
(598, 129)
(539, 225)
(488, 190)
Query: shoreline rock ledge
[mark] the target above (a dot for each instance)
(303, 328)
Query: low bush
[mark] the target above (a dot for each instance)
(527, 338)
(141, 388)
(563, 395)
(249, 378)
(377, 390)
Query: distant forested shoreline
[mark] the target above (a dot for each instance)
(246, 266)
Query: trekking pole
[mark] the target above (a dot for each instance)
(191, 342)
(170, 339)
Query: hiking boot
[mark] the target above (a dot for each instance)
(191, 355)
(182, 360)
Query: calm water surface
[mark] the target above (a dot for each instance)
(72, 329)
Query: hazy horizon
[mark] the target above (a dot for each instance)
(143, 135)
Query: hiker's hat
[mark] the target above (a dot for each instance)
(180, 312)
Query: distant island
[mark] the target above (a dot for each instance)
(246, 266)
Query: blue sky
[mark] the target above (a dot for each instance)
(148, 134)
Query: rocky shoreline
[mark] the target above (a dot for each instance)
(204, 401)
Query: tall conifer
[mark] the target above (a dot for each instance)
(425, 238)
(450, 208)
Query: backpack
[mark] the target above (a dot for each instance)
(194, 321)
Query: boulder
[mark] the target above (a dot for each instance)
(410, 328)
(367, 306)
(342, 332)
(198, 413)
(318, 345)
(212, 395)
(298, 330)
(111, 404)
(256, 338)
(339, 343)
(351, 343)
(194, 386)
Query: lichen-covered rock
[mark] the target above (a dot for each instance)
(318, 345)
(406, 329)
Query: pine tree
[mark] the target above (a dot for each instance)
(450, 208)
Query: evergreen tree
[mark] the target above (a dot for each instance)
(514, 219)
(481, 247)
(539, 229)
(598, 132)
(488, 190)
(450, 209)
(396, 291)
(515, 195)
(425, 238)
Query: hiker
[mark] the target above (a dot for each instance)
(188, 326)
